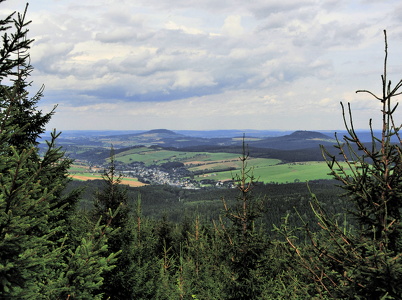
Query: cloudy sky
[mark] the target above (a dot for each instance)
(208, 64)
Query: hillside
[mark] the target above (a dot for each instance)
(295, 140)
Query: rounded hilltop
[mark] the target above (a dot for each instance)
(305, 134)
(160, 131)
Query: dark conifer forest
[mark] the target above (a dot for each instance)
(64, 239)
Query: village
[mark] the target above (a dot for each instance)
(178, 176)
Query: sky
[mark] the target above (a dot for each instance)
(207, 64)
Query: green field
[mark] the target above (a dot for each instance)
(283, 173)
(160, 156)
(280, 173)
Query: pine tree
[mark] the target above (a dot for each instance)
(15, 68)
(362, 259)
(203, 264)
(113, 197)
(36, 260)
(144, 272)
(246, 245)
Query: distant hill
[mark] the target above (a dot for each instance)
(293, 141)
(296, 140)
(295, 146)
(163, 137)
(287, 146)
(159, 133)
(168, 138)
(304, 134)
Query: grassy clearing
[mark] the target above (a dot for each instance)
(293, 172)
(281, 173)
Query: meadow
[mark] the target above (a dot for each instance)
(275, 173)
(158, 156)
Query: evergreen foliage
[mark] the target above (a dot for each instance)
(246, 244)
(37, 257)
(113, 197)
(361, 261)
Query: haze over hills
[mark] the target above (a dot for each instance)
(184, 139)
(289, 146)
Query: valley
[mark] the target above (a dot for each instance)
(208, 159)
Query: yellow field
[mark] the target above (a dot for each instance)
(125, 180)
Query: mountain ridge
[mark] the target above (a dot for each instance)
(299, 139)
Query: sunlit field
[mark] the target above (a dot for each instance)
(278, 173)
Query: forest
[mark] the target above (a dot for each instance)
(59, 239)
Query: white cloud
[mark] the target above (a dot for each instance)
(186, 78)
(197, 64)
(188, 30)
(232, 26)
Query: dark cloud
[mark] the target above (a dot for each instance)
(117, 35)
(106, 94)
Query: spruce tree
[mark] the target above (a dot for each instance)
(245, 243)
(36, 259)
(361, 259)
(113, 197)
